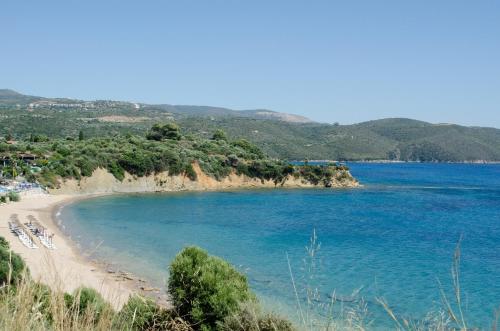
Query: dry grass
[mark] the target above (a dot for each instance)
(32, 306)
(29, 305)
(314, 315)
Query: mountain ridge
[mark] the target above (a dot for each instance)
(397, 139)
(13, 97)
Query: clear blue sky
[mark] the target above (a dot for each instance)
(345, 61)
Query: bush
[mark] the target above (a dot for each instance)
(116, 170)
(42, 294)
(86, 167)
(139, 164)
(4, 243)
(250, 318)
(143, 314)
(87, 301)
(205, 289)
(190, 173)
(12, 266)
(164, 131)
(219, 135)
(248, 147)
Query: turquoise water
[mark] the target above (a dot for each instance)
(393, 238)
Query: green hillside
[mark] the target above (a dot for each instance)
(277, 134)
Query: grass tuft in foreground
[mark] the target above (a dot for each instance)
(209, 295)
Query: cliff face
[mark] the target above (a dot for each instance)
(102, 181)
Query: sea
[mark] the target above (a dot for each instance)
(397, 239)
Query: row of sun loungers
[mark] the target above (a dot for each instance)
(32, 228)
(17, 229)
(41, 232)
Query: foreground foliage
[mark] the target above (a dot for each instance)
(12, 266)
(208, 294)
(205, 289)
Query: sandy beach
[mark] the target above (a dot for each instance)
(62, 268)
(66, 268)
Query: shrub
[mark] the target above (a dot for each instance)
(143, 314)
(139, 164)
(42, 295)
(164, 131)
(88, 302)
(4, 243)
(249, 148)
(219, 135)
(48, 178)
(86, 167)
(190, 173)
(250, 318)
(116, 170)
(12, 266)
(205, 289)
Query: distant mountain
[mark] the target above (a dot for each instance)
(12, 97)
(278, 134)
(394, 139)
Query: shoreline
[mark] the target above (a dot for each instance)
(134, 283)
(479, 162)
(66, 268)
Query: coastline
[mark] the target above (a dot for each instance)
(402, 161)
(132, 282)
(103, 182)
(65, 268)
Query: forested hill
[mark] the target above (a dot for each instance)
(278, 134)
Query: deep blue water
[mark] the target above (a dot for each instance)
(394, 238)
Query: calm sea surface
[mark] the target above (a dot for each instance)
(394, 238)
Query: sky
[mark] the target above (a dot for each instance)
(332, 61)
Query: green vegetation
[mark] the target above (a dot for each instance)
(14, 196)
(144, 314)
(388, 139)
(163, 149)
(205, 289)
(164, 131)
(12, 266)
(219, 135)
(250, 318)
(87, 300)
(208, 294)
(394, 139)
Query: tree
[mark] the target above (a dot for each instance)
(249, 148)
(80, 135)
(219, 135)
(12, 266)
(164, 131)
(206, 289)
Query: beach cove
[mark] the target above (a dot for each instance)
(350, 225)
(67, 267)
(394, 238)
